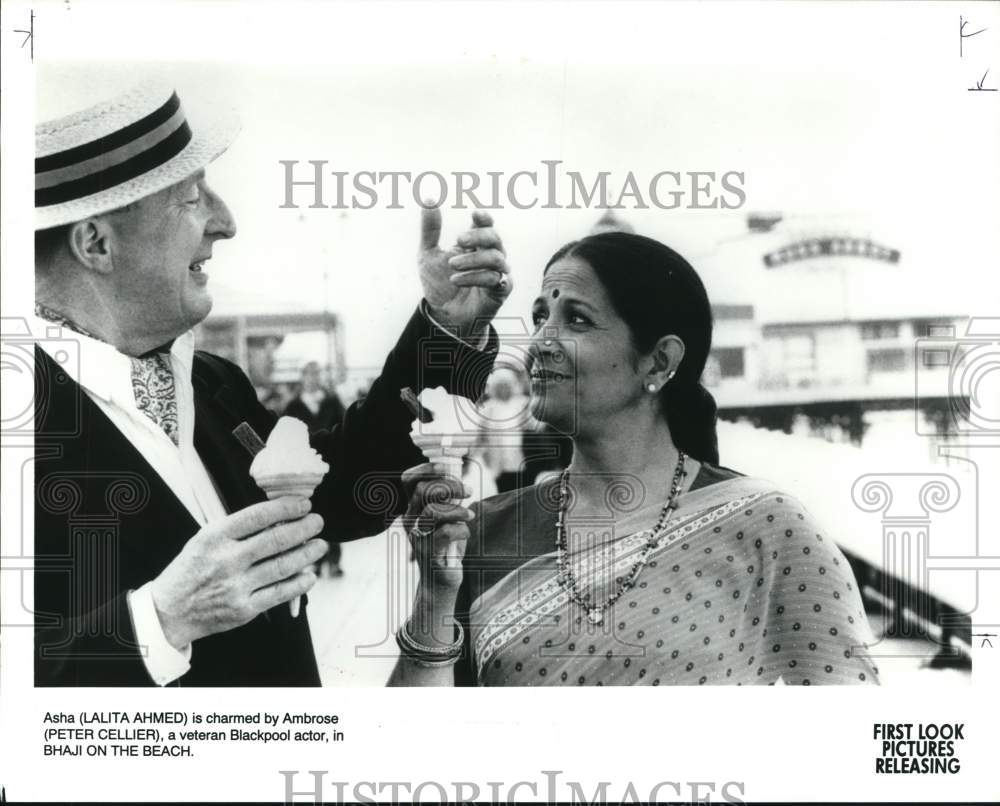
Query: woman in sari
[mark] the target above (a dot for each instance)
(646, 562)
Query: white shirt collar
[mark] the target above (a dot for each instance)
(98, 367)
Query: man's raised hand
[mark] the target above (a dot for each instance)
(466, 284)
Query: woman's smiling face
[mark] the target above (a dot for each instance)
(584, 364)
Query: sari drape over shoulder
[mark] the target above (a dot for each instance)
(742, 589)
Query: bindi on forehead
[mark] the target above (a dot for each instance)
(567, 277)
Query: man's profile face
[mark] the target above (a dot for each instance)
(159, 248)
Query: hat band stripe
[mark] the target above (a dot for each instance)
(116, 139)
(141, 163)
(106, 161)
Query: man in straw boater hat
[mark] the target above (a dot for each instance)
(158, 560)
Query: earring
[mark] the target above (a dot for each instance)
(670, 375)
(651, 387)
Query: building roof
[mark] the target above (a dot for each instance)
(812, 270)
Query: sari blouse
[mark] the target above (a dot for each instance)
(743, 588)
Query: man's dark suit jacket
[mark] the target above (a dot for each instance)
(106, 523)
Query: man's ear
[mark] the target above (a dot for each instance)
(90, 243)
(666, 357)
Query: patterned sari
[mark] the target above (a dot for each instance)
(743, 588)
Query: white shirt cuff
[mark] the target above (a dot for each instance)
(484, 339)
(164, 663)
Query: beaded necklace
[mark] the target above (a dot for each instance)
(595, 613)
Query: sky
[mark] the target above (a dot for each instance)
(845, 117)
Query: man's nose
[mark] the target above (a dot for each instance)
(221, 224)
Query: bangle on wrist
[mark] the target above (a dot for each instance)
(428, 656)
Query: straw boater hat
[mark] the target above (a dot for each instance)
(122, 148)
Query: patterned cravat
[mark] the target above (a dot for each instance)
(155, 396)
(152, 378)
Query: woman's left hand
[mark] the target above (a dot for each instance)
(438, 527)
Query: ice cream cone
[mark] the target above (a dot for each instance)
(287, 465)
(447, 460)
(444, 442)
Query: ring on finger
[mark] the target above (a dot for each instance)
(416, 531)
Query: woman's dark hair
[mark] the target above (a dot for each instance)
(658, 293)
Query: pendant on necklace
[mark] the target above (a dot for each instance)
(595, 616)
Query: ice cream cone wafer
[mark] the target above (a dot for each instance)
(445, 451)
(451, 465)
(280, 484)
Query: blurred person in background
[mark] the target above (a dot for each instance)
(260, 371)
(506, 418)
(318, 408)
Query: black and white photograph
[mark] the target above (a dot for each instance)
(380, 349)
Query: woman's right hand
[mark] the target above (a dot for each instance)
(438, 527)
